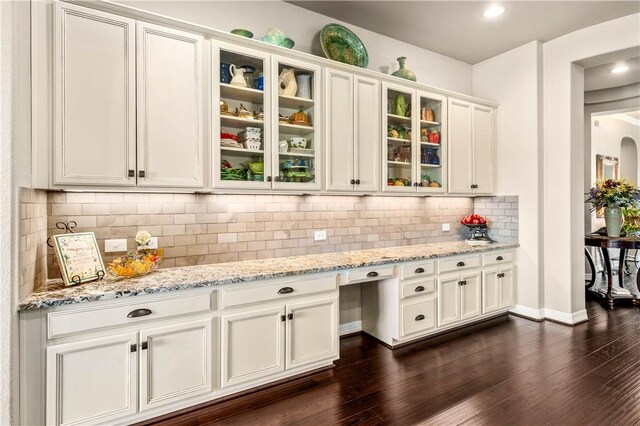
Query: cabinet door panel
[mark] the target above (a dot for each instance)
(490, 291)
(93, 381)
(448, 300)
(252, 345)
(339, 116)
(94, 80)
(460, 147)
(312, 332)
(176, 364)
(507, 288)
(483, 149)
(471, 297)
(367, 134)
(170, 88)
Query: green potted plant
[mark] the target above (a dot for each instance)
(613, 195)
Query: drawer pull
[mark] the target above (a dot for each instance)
(420, 317)
(372, 274)
(139, 313)
(419, 289)
(462, 282)
(460, 264)
(419, 270)
(290, 316)
(499, 258)
(283, 318)
(501, 275)
(144, 346)
(285, 290)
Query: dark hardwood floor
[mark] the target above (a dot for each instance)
(516, 373)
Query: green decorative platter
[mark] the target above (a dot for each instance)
(341, 44)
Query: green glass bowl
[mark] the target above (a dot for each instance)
(340, 44)
(242, 33)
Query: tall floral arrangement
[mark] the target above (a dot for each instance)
(613, 193)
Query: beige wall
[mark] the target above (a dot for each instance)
(32, 244)
(202, 229)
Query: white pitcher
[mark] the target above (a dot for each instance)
(238, 76)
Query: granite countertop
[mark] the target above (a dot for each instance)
(190, 277)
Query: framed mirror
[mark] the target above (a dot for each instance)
(606, 168)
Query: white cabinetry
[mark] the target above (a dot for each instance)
(175, 362)
(95, 105)
(254, 343)
(92, 381)
(352, 123)
(459, 297)
(471, 148)
(498, 289)
(170, 90)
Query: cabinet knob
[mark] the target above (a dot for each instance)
(357, 181)
(139, 313)
(144, 346)
(419, 289)
(372, 274)
(462, 282)
(283, 318)
(415, 183)
(132, 173)
(285, 290)
(501, 275)
(276, 178)
(499, 258)
(353, 181)
(460, 264)
(419, 270)
(269, 179)
(290, 316)
(420, 317)
(141, 174)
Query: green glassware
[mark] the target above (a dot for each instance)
(404, 72)
(341, 44)
(401, 106)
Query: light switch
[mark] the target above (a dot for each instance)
(115, 245)
(153, 244)
(320, 235)
(446, 227)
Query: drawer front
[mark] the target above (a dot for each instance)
(370, 274)
(458, 264)
(94, 317)
(418, 288)
(418, 316)
(277, 291)
(418, 269)
(489, 259)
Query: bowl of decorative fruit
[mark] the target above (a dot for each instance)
(135, 264)
(474, 221)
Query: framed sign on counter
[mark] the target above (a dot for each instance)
(79, 257)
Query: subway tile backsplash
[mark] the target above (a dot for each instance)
(32, 244)
(202, 228)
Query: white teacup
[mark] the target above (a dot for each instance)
(298, 143)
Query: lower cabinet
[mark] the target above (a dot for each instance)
(417, 315)
(92, 381)
(459, 297)
(175, 363)
(96, 381)
(263, 341)
(498, 288)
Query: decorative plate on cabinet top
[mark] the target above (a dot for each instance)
(341, 44)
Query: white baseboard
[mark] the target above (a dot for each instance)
(566, 318)
(350, 327)
(527, 312)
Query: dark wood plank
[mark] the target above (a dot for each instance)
(516, 372)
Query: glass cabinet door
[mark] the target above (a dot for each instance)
(399, 160)
(296, 124)
(241, 109)
(432, 155)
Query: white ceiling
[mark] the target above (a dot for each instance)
(600, 77)
(457, 28)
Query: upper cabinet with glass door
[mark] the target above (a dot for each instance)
(399, 153)
(296, 121)
(432, 155)
(241, 108)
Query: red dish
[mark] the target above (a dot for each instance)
(227, 135)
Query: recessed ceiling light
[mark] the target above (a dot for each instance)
(493, 11)
(619, 69)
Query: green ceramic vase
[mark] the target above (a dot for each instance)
(403, 72)
(613, 220)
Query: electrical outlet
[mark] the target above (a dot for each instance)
(153, 244)
(320, 235)
(446, 227)
(115, 245)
